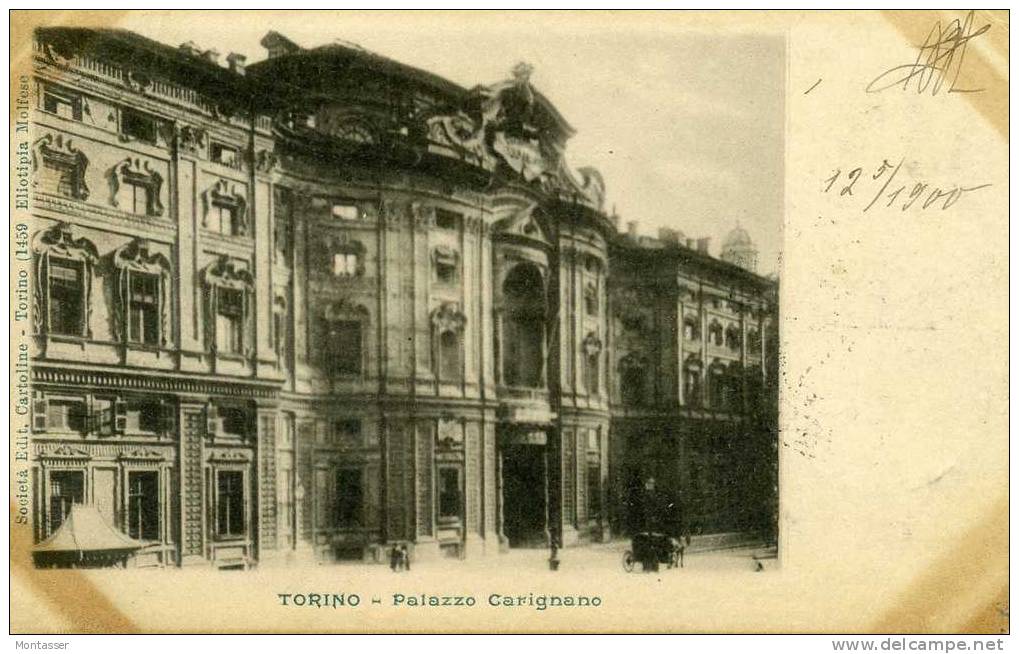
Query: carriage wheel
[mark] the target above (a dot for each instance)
(628, 561)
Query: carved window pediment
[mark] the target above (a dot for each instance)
(229, 301)
(225, 209)
(60, 167)
(131, 173)
(129, 262)
(345, 309)
(64, 268)
(448, 317)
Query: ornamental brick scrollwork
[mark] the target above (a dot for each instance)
(448, 317)
(265, 160)
(345, 309)
(191, 139)
(139, 173)
(57, 153)
(58, 242)
(142, 454)
(136, 257)
(423, 216)
(449, 433)
(65, 452)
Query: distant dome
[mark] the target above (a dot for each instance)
(739, 249)
(738, 237)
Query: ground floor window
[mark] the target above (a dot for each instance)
(230, 503)
(67, 488)
(143, 505)
(349, 497)
(449, 493)
(593, 491)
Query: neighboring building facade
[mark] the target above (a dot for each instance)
(330, 302)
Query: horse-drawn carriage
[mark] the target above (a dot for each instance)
(651, 549)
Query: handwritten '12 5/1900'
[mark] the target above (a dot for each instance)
(921, 194)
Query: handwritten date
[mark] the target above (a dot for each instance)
(893, 191)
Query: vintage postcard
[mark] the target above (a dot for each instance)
(509, 321)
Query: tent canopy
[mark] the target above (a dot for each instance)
(85, 530)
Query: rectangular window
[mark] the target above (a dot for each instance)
(591, 374)
(65, 415)
(66, 302)
(229, 320)
(343, 211)
(144, 416)
(229, 503)
(279, 332)
(143, 309)
(447, 219)
(143, 505)
(449, 493)
(67, 488)
(593, 491)
(344, 264)
(445, 272)
(139, 198)
(63, 104)
(60, 178)
(137, 126)
(102, 416)
(233, 421)
(692, 386)
(223, 154)
(222, 219)
(345, 347)
(347, 430)
(349, 497)
(591, 301)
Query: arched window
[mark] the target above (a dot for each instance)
(448, 328)
(449, 355)
(715, 333)
(632, 379)
(523, 349)
(279, 327)
(732, 338)
(692, 382)
(754, 341)
(591, 299)
(691, 329)
(592, 356)
(718, 386)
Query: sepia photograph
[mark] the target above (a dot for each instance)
(335, 310)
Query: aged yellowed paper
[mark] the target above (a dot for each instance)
(559, 322)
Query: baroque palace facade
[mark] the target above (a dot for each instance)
(315, 306)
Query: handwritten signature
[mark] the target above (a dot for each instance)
(938, 62)
(919, 193)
